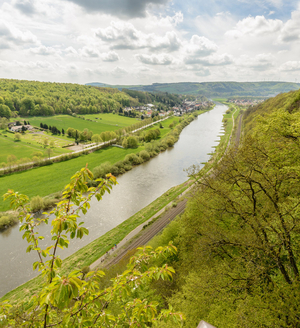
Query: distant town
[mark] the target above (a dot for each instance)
(150, 110)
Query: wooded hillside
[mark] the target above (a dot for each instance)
(239, 238)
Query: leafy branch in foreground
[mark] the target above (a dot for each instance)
(75, 299)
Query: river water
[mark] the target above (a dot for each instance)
(136, 189)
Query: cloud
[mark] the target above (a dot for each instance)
(291, 30)
(44, 51)
(213, 60)
(70, 51)
(117, 71)
(290, 66)
(25, 7)
(261, 62)
(125, 36)
(255, 26)
(119, 8)
(111, 56)
(161, 59)
(14, 35)
(89, 52)
(200, 46)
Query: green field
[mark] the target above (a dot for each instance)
(29, 144)
(50, 179)
(105, 122)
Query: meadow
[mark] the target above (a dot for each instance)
(52, 178)
(29, 144)
(105, 122)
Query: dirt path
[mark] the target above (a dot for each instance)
(238, 132)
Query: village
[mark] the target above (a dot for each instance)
(150, 110)
(246, 102)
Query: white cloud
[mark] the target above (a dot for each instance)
(111, 56)
(291, 30)
(12, 34)
(161, 59)
(290, 66)
(119, 71)
(122, 35)
(199, 46)
(213, 60)
(255, 26)
(44, 51)
(261, 62)
(89, 52)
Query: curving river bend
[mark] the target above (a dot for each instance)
(136, 189)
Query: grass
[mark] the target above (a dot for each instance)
(46, 180)
(90, 253)
(108, 122)
(29, 144)
(224, 139)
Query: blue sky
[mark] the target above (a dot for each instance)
(148, 41)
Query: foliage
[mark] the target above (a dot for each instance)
(76, 299)
(36, 204)
(239, 243)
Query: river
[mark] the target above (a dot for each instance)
(136, 189)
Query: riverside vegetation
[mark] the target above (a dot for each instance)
(238, 241)
(78, 299)
(91, 252)
(42, 181)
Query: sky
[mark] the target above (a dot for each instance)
(150, 41)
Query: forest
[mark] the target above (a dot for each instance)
(238, 241)
(31, 98)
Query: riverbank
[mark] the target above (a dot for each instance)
(102, 244)
(50, 179)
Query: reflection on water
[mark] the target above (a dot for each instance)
(136, 189)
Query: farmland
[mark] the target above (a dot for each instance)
(52, 178)
(29, 144)
(105, 122)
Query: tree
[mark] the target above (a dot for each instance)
(63, 131)
(46, 142)
(132, 142)
(11, 159)
(96, 138)
(242, 227)
(75, 299)
(17, 136)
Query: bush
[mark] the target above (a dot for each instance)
(145, 155)
(132, 142)
(7, 221)
(114, 170)
(163, 146)
(36, 203)
(102, 170)
(49, 202)
(170, 141)
(127, 167)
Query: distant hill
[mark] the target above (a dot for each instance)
(214, 89)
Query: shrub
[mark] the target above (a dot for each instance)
(49, 202)
(114, 170)
(127, 167)
(102, 170)
(163, 146)
(36, 203)
(132, 142)
(7, 221)
(170, 141)
(145, 155)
